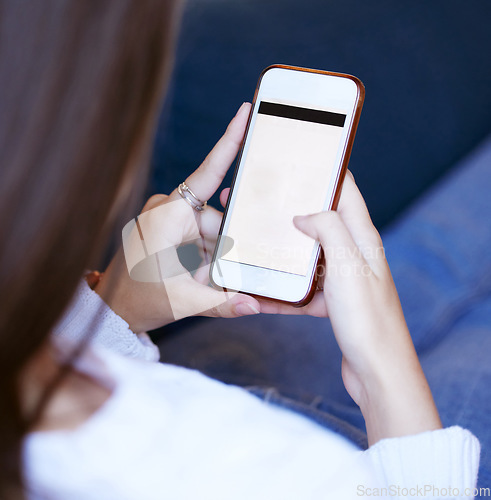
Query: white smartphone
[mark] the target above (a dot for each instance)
(292, 162)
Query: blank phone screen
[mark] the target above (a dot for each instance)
(286, 172)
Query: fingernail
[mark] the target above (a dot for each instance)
(245, 309)
(241, 108)
(299, 218)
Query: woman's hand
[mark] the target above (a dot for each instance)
(170, 221)
(380, 367)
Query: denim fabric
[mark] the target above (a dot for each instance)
(440, 256)
(315, 411)
(439, 252)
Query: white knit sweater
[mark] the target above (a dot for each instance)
(171, 433)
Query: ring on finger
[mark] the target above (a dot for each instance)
(192, 200)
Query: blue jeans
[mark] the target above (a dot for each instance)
(440, 255)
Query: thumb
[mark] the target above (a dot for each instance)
(330, 231)
(187, 297)
(232, 306)
(324, 227)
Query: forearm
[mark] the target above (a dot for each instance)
(395, 398)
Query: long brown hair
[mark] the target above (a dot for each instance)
(80, 85)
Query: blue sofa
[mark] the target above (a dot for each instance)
(425, 66)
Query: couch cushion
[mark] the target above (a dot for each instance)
(425, 66)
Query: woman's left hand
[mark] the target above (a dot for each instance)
(170, 221)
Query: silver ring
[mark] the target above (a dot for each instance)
(190, 197)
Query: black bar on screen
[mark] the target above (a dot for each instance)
(302, 114)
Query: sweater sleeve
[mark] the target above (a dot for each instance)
(434, 464)
(88, 314)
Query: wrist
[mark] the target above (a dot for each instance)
(111, 296)
(395, 398)
(135, 302)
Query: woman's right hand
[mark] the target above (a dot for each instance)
(380, 370)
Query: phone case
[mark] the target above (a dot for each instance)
(339, 182)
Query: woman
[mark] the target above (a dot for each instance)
(81, 84)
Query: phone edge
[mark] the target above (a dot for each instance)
(339, 181)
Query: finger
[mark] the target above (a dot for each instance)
(208, 177)
(154, 201)
(224, 196)
(187, 297)
(239, 305)
(209, 225)
(339, 247)
(209, 222)
(355, 215)
(201, 274)
(316, 307)
(206, 247)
